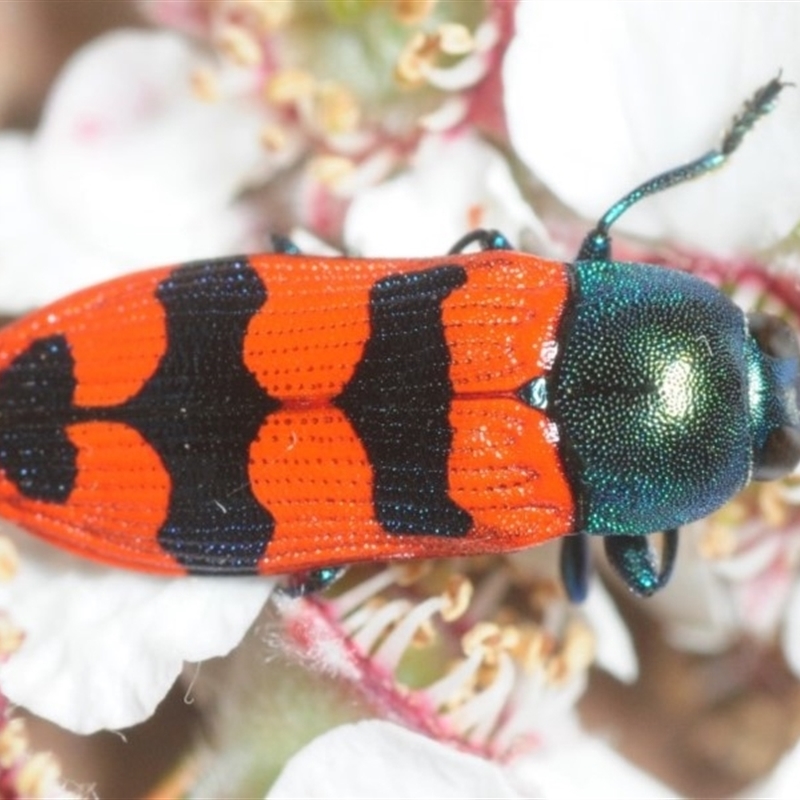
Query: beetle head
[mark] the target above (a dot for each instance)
(774, 397)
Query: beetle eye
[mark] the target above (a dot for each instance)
(773, 335)
(780, 452)
(779, 455)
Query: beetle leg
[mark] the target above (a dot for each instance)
(311, 581)
(283, 245)
(485, 239)
(576, 566)
(635, 562)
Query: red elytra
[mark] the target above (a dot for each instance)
(311, 437)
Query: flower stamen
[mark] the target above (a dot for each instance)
(39, 776)
(331, 170)
(289, 86)
(9, 559)
(400, 639)
(458, 684)
(413, 12)
(479, 716)
(274, 138)
(376, 627)
(489, 662)
(346, 603)
(13, 742)
(423, 50)
(26, 774)
(336, 109)
(239, 45)
(205, 85)
(264, 15)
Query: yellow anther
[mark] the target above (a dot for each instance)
(717, 541)
(336, 109)
(412, 12)
(9, 559)
(456, 596)
(39, 776)
(482, 634)
(486, 675)
(273, 138)
(455, 39)
(409, 573)
(579, 647)
(772, 505)
(13, 742)
(264, 15)
(575, 655)
(239, 45)
(417, 57)
(424, 636)
(204, 85)
(331, 170)
(289, 86)
(491, 638)
(534, 646)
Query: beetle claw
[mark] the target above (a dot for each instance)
(311, 581)
(485, 238)
(284, 245)
(633, 559)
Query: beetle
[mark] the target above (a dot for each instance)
(285, 413)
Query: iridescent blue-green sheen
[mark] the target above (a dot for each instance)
(651, 397)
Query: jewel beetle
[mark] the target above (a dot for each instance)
(291, 414)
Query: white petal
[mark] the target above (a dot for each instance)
(615, 651)
(604, 95)
(456, 183)
(122, 134)
(128, 169)
(41, 259)
(696, 607)
(791, 632)
(103, 646)
(377, 759)
(711, 602)
(585, 768)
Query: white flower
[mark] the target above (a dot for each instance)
(356, 81)
(381, 760)
(601, 96)
(128, 169)
(715, 597)
(509, 680)
(456, 183)
(102, 646)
